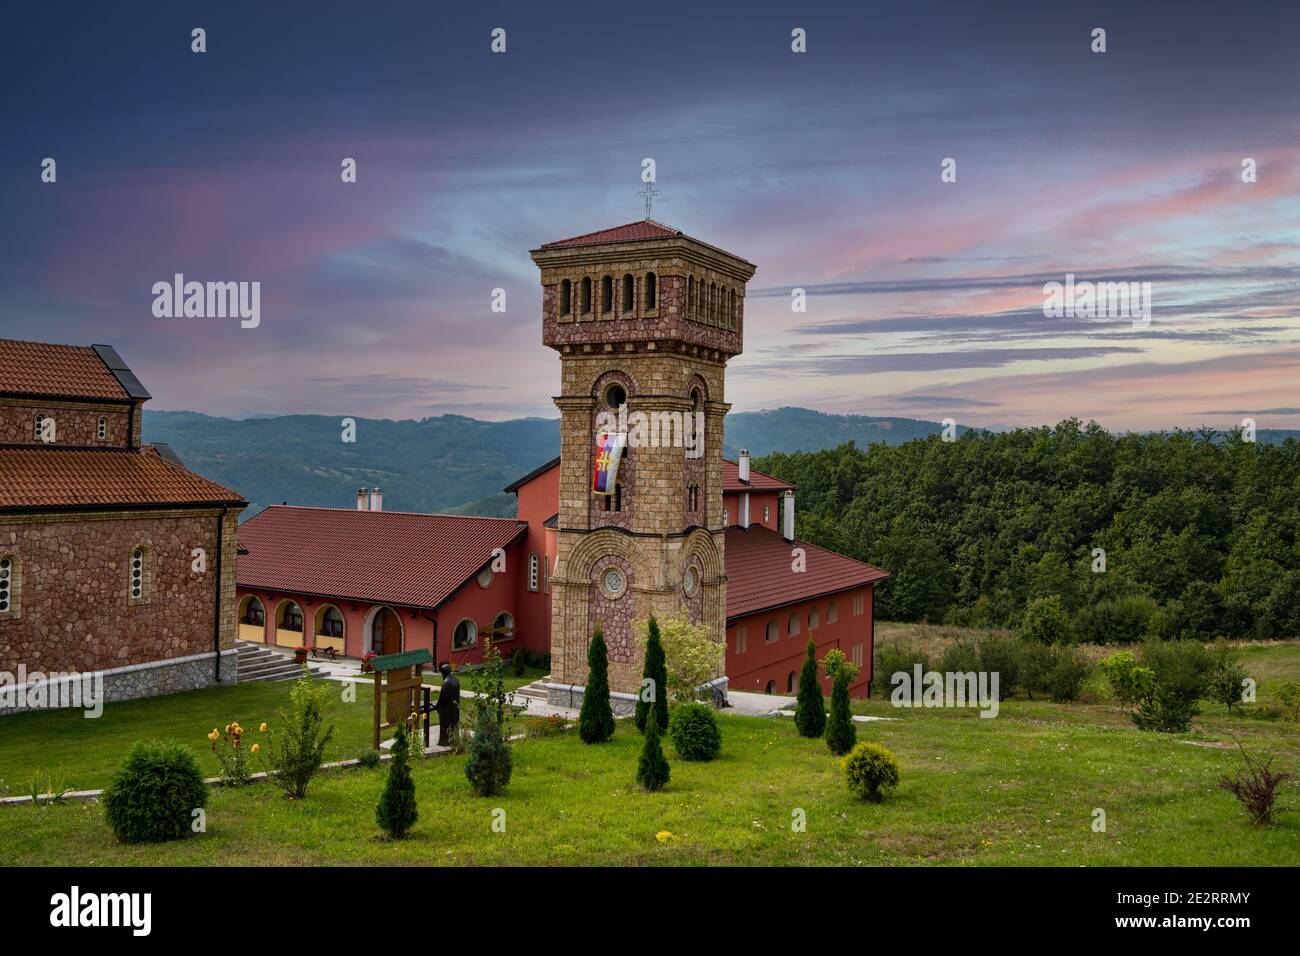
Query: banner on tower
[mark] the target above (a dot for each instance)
(609, 452)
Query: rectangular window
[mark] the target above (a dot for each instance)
(857, 653)
(859, 604)
(532, 572)
(742, 639)
(832, 613)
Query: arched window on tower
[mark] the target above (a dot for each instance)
(690, 297)
(607, 295)
(731, 309)
(584, 298)
(651, 291)
(566, 297)
(629, 294)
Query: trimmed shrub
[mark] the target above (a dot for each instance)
(489, 765)
(596, 719)
(810, 712)
(695, 733)
(869, 769)
(397, 812)
(656, 671)
(1069, 670)
(652, 769)
(895, 658)
(370, 759)
(154, 793)
(841, 734)
(1000, 654)
(1045, 622)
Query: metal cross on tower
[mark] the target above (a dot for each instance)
(649, 193)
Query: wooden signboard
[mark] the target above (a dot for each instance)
(398, 677)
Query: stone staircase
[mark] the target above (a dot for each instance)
(536, 690)
(261, 662)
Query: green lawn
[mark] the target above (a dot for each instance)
(1018, 789)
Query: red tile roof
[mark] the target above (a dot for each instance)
(68, 371)
(389, 557)
(35, 477)
(759, 576)
(638, 231)
(757, 480)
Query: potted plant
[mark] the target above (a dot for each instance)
(366, 658)
(300, 655)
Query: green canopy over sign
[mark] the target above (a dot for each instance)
(391, 662)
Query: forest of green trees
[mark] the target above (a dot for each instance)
(1200, 530)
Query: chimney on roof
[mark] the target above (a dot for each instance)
(377, 499)
(788, 516)
(363, 499)
(744, 509)
(744, 465)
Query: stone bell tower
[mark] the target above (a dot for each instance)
(644, 319)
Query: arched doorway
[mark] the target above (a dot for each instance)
(383, 631)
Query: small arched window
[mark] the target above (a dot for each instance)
(629, 294)
(651, 291)
(44, 429)
(566, 297)
(331, 624)
(503, 627)
(532, 571)
(731, 309)
(792, 626)
(607, 294)
(465, 635)
(814, 619)
(713, 304)
(618, 496)
(8, 585)
(771, 687)
(254, 612)
(690, 297)
(139, 573)
(773, 631)
(290, 617)
(789, 683)
(101, 430)
(832, 613)
(584, 299)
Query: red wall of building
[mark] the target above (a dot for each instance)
(762, 661)
(538, 500)
(757, 501)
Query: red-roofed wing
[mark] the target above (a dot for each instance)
(760, 575)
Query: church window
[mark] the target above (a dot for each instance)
(690, 297)
(532, 572)
(731, 309)
(101, 430)
(613, 583)
(465, 635)
(618, 497)
(8, 584)
(615, 396)
(691, 582)
(504, 627)
(44, 429)
(792, 626)
(773, 631)
(629, 294)
(832, 613)
(726, 517)
(767, 513)
(584, 299)
(607, 294)
(857, 653)
(814, 619)
(859, 604)
(566, 297)
(651, 291)
(139, 574)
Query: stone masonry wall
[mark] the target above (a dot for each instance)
(76, 423)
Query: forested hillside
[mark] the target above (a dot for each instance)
(1200, 531)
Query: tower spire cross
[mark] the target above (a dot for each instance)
(650, 193)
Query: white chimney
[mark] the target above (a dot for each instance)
(744, 465)
(788, 516)
(744, 507)
(363, 499)
(377, 499)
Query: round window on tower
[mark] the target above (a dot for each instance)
(691, 581)
(613, 583)
(615, 396)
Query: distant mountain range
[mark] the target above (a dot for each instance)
(452, 463)
(448, 463)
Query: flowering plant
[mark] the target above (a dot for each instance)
(232, 753)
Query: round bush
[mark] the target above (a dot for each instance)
(695, 733)
(868, 768)
(154, 794)
(369, 759)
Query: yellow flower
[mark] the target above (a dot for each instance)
(214, 735)
(238, 730)
(263, 727)
(227, 728)
(256, 747)
(665, 836)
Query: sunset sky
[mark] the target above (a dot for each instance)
(924, 298)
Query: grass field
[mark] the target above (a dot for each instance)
(1019, 789)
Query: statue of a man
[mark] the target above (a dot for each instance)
(448, 706)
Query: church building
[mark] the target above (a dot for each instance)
(625, 523)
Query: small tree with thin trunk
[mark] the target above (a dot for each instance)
(691, 656)
(652, 770)
(654, 678)
(810, 714)
(596, 719)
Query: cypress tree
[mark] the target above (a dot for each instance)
(652, 770)
(656, 671)
(397, 812)
(810, 714)
(841, 735)
(596, 719)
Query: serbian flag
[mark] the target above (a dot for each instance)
(609, 452)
